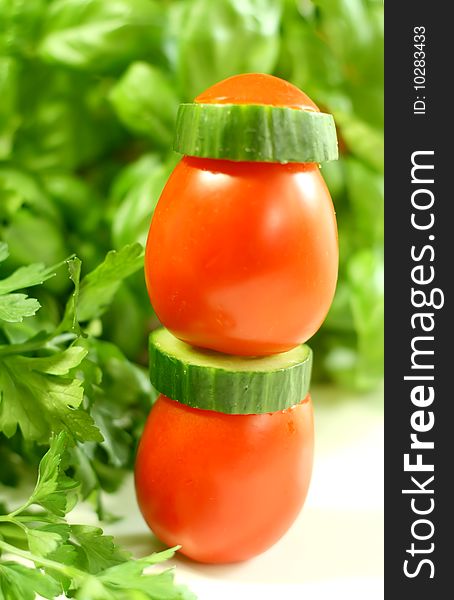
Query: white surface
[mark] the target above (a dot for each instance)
(334, 549)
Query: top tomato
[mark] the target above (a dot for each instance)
(256, 88)
(242, 256)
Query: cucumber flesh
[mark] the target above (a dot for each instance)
(225, 383)
(249, 132)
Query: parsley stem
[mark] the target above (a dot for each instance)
(50, 342)
(19, 510)
(43, 562)
(9, 349)
(38, 517)
(10, 519)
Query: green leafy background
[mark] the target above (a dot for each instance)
(89, 90)
(88, 96)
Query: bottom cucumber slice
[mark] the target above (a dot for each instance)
(230, 384)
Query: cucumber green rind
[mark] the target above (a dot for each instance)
(229, 384)
(249, 132)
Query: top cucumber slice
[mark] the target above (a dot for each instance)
(230, 384)
(250, 132)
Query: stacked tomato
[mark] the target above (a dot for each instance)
(241, 268)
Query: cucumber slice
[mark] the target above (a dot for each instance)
(230, 384)
(249, 132)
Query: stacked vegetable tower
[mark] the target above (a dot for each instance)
(241, 268)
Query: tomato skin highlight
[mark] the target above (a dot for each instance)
(224, 487)
(242, 257)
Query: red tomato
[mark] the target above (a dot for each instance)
(242, 256)
(224, 487)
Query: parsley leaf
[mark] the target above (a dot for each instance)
(21, 583)
(99, 287)
(54, 491)
(28, 276)
(14, 307)
(97, 552)
(38, 396)
(155, 586)
(64, 385)
(42, 542)
(78, 560)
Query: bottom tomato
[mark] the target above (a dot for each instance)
(224, 487)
